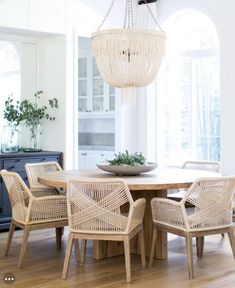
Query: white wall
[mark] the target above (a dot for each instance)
(29, 57)
(54, 86)
(34, 15)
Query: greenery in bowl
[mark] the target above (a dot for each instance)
(127, 159)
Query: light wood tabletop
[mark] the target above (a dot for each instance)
(161, 178)
(146, 185)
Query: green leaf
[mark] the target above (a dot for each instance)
(126, 158)
(29, 112)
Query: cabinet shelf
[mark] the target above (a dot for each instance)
(93, 93)
(96, 115)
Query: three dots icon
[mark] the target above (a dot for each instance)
(9, 278)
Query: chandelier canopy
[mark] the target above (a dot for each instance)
(128, 57)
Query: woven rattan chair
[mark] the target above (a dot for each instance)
(212, 214)
(33, 170)
(94, 214)
(213, 166)
(31, 213)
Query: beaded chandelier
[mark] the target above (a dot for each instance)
(128, 57)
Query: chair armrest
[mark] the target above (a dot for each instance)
(168, 211)
(136, 213)
(139, 208)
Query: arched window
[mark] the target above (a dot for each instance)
(10, 76)
(188, 91)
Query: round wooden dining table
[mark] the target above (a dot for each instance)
(146, 185)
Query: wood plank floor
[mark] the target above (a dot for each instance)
(43, 266)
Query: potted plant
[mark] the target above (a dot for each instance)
(32, 115)
(10, 139)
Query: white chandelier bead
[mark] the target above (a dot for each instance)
(128, 57)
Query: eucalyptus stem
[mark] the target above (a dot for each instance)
(28, 112)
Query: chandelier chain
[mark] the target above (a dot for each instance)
(128, 19)
(107, 14)
(151, 13)
(131, 16)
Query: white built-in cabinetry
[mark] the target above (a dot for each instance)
(88, 158)
(96, 111)
(94, 95)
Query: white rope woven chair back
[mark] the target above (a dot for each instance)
(95, 206)
(19, 194)
(34, 169)
(202, 165)
(212, 198)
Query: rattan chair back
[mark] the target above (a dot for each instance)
(96, 206)
(33, 170)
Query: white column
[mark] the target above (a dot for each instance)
(128, 117)
(131, 120)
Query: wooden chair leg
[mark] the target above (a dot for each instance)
(154, 239)
(127, 259)
(142, 247)
(59, 233)
(67, 256)
(76, 248)
(189, 248)
(24, 245)
(232, 240)
(200, 246)
(83, 253)
(10, 235)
